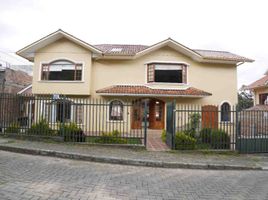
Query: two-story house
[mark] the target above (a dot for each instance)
(160, 73)
(260, 90)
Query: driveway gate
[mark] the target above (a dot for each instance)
(252, 131)
(213, 127)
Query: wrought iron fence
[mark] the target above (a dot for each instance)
(205, 127)
(252, 134)
(71, 119)
(219, 127)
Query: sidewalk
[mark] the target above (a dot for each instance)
(138, 156)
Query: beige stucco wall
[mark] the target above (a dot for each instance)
(257, 92)
(218, 79)
(62, 49)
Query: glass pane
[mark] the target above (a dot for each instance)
(67, 75)
(168, 76)
(158, 111)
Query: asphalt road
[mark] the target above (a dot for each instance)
(37, 177)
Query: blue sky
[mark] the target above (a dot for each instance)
(236, 26)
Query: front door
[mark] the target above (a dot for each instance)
(156, 114)
(155, 117)
(137, 114)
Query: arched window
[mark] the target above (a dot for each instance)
(225, 112)
(62, 70)
(116, 110)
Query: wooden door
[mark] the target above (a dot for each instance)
(137, 115)
(156, 114)
(210, 116)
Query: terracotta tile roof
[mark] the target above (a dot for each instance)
(145, 90)
(126, 49)
(259, 83)
(259, 107)
(131, 50)
(221, 55)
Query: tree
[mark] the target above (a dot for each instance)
(245, 99)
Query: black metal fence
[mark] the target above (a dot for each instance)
(70, 119)
(218, 127)
(252, 134)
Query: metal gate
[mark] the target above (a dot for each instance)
(170, 132)
(252, 131)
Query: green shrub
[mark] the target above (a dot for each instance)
(40, 128)
(164, 135)
(184, 141)
(13, 128)
(193, 125)
(217, 139)
(111, 138)
(71, 132)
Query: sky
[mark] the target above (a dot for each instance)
(238, 26)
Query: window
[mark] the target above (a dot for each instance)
(158, 111)
(263, 98)
(116, 110)
(225, 112)
(167, 73)
(62, 70)
(63, 111)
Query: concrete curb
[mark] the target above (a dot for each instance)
(133, 162)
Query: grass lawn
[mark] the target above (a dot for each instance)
(113, 140)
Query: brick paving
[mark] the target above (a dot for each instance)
(37, 178)
(154, 141)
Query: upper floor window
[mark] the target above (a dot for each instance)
(263, 98)
(62, 70)
(167, 73)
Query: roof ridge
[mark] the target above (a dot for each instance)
(123, 44)
(212, 50)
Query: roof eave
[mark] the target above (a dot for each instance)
(150, 95)
(33, 47)
(257, 87)
(224, 61)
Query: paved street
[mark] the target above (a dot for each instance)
(37, 177)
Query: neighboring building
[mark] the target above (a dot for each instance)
(160, 73)
(260, 90)
(12, 81)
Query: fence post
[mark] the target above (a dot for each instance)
(63, 117)
(237, 131)
(173, 124)
(145, 123)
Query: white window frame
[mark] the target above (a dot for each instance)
(231, 116)
(179, 63)
(123, 112)
(63, 81)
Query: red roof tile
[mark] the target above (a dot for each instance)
(145, 90)
(131, 50)
(259, 83)
(259, 107)
(126, 49)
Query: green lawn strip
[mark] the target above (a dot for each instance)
(96, 139)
